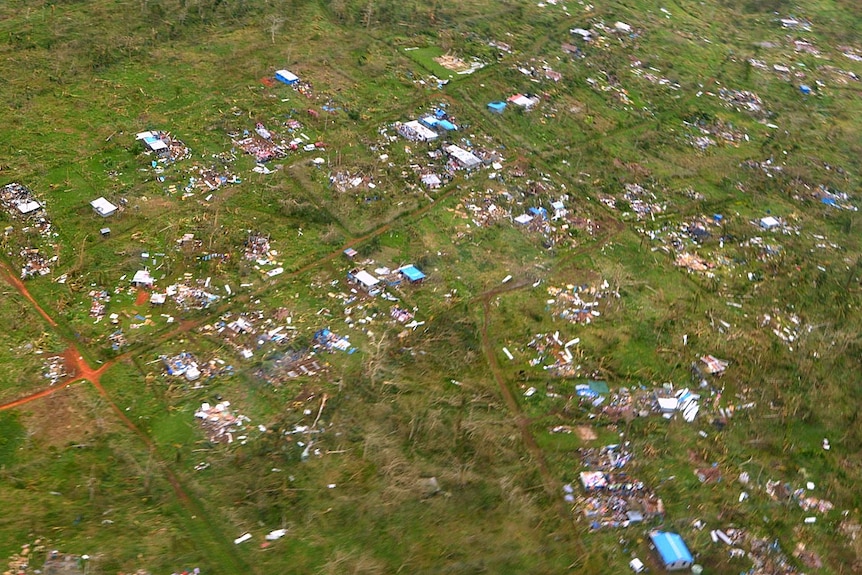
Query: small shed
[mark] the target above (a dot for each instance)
(153, 142)
(103, 207)
(412, 273)
(364, 280)
(287, 77)
(672, 550)
(497, 107)
(769, 222)
(105, 232)
(142, 278)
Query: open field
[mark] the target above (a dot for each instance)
(655, 246)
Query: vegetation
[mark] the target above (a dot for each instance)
(443, 442)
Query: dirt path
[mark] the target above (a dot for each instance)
(16, 282)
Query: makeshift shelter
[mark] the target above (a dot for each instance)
(142, 278)
(286, 77)
(672, 550)
(447, 125)
(497, 107)
(769, 222)
(103, 207)
(412, 273)
(525, 101)
(153, 142)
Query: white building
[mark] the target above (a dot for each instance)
(103, 207)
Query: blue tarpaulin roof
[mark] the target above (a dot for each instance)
(497, 106)
(671, 548)
(412, 273)
(447, 125)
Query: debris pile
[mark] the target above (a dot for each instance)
(290, 365)
(55, 369)
(98, 301)
(263, 145)
(612, 498)
(765, 553)
(578, 303)
(220, 423)
(21, 205)
(185, 364)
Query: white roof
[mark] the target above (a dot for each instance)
(524, 219)
(157, 145)
(524, 101)
(145, 135)
(142, 277)
(103, 206)
(431, 180)
(423, 132)
(366, 278)
(668, 403)
(27, 207)
(769, 222)
(287, 75)
(466, 158)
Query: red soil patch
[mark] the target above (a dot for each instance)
(142, 298)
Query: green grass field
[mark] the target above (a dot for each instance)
(612, 233)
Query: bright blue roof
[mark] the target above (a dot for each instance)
(412, 273)
(447, 125)
(671, 547)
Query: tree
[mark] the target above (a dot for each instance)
(275, 23)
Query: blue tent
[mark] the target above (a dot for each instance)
(672, 550)
(412, 273)
(497, 107)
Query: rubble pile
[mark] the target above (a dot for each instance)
(578, 303)
(290, 365)
(220, 423)
(554, 354)
(263, 145)
(98, 301)
(611, 497)
(765, 553)
(250, 331)
(185, 364)
(55, 369)
(744, 101)
(21, 205)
